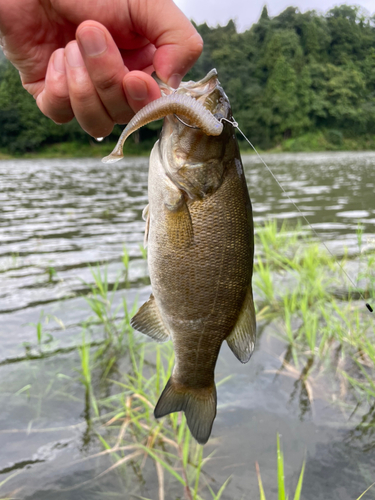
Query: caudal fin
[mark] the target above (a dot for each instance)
(199, 406)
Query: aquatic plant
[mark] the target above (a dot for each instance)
(323, 326)
(315, 319)
(318, 315)
(282, 495)
(132, 434)
(10, 495)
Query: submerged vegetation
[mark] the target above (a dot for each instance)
(296, 82)
(316, 311)
(302, 297)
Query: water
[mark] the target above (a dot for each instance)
(57, 218)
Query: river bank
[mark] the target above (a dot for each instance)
(330, 140)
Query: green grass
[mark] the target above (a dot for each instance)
(329, 140)
(282, 492)
(300, 290)
(317, 311)
(322, 140)
(91, 149)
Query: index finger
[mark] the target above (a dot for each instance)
(178, 44)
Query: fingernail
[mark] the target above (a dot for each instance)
(73, 55)
(136, 88)
(93, 41)
(58, 61)
(175, 80)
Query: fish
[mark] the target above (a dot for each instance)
(200, 237)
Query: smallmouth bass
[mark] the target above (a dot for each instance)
(199, 230)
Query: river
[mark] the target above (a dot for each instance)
(58, 218)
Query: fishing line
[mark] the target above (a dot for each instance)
(235, 124)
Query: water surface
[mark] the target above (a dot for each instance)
(58, 218)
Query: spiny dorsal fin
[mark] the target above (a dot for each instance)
(242, 339)
(148, 321)
(199, 406)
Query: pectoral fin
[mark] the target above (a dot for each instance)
(178, 221)
(148, 321)
(242, 339)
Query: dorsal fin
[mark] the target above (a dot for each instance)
(148, 321)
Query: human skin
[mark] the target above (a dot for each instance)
(93, 59)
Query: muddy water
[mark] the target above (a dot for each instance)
(58, 218)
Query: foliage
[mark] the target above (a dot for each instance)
(296, 73)
(287, 76)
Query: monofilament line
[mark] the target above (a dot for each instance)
(304, 217)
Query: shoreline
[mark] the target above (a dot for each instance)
(308, 143)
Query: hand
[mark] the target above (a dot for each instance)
(93, 60)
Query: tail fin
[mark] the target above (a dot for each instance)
(199, 406)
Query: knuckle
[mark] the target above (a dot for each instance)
(194, 46)
(107, 84)
(59, 98)
(82, 91)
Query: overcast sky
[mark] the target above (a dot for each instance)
(246, 12)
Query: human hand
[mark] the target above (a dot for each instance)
(93, 60)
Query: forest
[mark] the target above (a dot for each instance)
(298, 81)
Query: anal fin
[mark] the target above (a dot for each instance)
(148, 321)
(242, 338)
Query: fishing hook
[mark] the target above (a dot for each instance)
(234, 123)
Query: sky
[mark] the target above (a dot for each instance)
(247, 12)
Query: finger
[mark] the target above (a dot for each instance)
(178, 44)
(85, 102)
(54, 100)
(140, 89)
(105, 67)
(138, 59)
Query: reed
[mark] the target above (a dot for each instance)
(282, 494)
(303, 290)
(132, 434)
(298, 287)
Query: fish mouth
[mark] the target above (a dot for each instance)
(208, 91)
(203, 106)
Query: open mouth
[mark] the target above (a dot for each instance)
(200, 104)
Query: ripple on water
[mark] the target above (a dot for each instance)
(67, 215)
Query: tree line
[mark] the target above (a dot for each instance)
(286, 76)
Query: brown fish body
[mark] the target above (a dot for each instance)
(200, 261)
(200, 255)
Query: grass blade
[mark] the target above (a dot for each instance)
(280, 471)
(359, 498)
(297, 494)
(262, 496)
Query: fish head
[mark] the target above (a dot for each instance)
(207, 91)
(193, 160)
